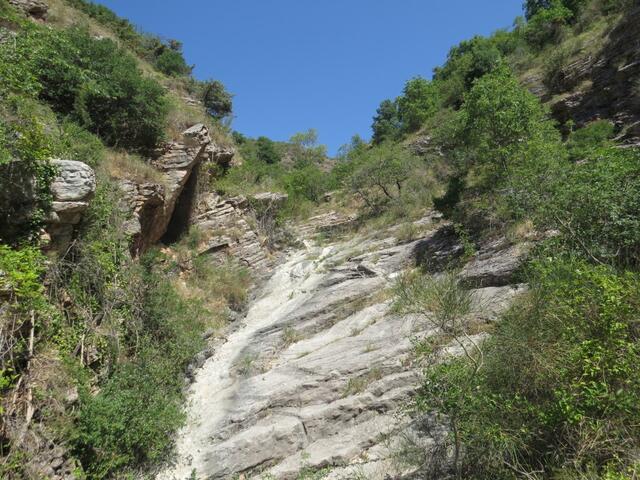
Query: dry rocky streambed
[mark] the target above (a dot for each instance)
(319, 373)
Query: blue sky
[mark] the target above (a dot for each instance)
(323, 64)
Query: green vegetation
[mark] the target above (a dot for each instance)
(551, 393)
(216, 100)
(165, 56)
(93, 81)
(119, 331)
(23, 202)
(558, 386)
(296, 167)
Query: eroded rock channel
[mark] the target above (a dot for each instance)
(319, 372)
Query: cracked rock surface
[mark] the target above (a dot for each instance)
(319, 372)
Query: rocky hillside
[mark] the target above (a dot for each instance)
(318, 376)
(455, 299)
(598, 79)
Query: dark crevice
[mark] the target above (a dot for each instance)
(181, 218)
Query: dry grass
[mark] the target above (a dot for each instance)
(126, 166)
(521, 231)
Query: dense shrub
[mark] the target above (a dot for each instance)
(534, 7)
(130, 421)
(24, 301)
(307, 182)
(595, 205)
(419, 100)
(585, 141)
(171, 62)
(558, 386)
(547, 24)
(266, 151)
(216, 99)
(468, 61)
(92, 80)
(25, 177)
(386, 123)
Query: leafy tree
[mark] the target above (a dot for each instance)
(419, 100)
(500, 117)
(172, 62)
(216, 99)
(468, 61)
(547, 23)
(266, 151)
(347, 160)
(305, 150)
(386, 123)
(306, 182)
(306, 139)
(533, 7)
(381, 172)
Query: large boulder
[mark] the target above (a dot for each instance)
(72, 189)
(75, 182)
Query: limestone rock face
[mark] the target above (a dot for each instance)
(157, 208)
(72, 189)
(602, 85)
(494, 265)
(330, 222)
(35, 8)
(228, 232)
(76, 181)
(319, 371)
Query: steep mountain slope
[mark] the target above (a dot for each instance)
(455, 299)
(319, 373)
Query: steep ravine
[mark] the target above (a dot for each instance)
(319, 371)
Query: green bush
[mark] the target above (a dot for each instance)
(307, 182)
(131, 421)
(559, 384)
(547, 24)
(266, 151)
(419, 101)
(94, 81)
(25, 177)
(24, 308)
(386, 123)
(469, 61)
(216, 99)
(499, 114)
(171, 62)
(583, 142)
(595, 205)
(146, 336)
(534, 7)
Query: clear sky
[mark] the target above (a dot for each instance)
(323, 64)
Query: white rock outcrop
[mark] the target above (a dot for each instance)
(319, 372)
(72, 189)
